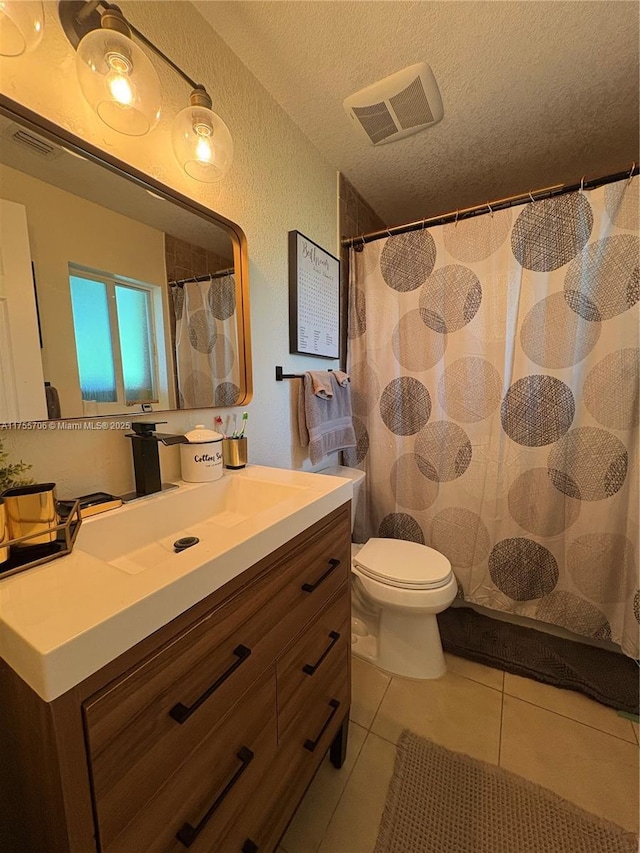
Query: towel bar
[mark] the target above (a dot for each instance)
(280, 375)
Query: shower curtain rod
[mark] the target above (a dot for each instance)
(181, 282)
(358, 243)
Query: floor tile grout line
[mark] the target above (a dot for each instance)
(344, 788)
(346, 782)
(500, 733)
(572, 719)
(386, 739)
(375, 713)
(475, 680)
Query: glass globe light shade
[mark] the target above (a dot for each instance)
(118, 81)
(21, 26)
(202, 144)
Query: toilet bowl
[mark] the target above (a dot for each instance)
(398, 588)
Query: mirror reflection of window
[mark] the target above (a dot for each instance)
(80, 218)
(136, 344)
(116, 329)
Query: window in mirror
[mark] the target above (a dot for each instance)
(116, 340)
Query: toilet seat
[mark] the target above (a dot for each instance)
(399, 563)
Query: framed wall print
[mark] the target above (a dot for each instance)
(314, 299)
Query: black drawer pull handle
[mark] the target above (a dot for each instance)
(309, 587)
(188, 834)
(249, 846)
(310, 668)
(311, 744)
(181, 713)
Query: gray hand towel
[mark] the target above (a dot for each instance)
(325, 424)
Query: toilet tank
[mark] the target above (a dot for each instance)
(356, 477)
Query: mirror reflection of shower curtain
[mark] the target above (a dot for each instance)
(494, 374)
(206, 343)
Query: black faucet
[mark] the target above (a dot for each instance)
(146, 457)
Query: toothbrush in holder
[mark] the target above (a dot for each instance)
(245, 416)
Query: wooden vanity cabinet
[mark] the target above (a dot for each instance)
(205, 735)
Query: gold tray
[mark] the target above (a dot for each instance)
(23, 556)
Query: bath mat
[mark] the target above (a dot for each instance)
(607, 677)
(446, 802)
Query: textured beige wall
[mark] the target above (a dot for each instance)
(278, 182)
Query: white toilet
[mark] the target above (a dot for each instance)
(398, 588)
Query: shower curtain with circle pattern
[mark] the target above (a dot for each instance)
(494, 367)
(206, 343)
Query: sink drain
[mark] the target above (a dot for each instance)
(184, 543)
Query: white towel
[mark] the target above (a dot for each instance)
(321, 381)
(342, 378)
(325, 423)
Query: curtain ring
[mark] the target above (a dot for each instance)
(582, 184)
(530, 196)
(633, 166)
(490, 208)
(360, 246)
(455, 221)
(389, 231)
(423, 222)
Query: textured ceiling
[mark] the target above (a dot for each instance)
(535, 93)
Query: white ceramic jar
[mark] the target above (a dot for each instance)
(202, 458)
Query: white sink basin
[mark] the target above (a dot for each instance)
(143, 532)
(64, 620)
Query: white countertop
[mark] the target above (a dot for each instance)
(64, 620)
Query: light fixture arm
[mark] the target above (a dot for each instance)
(89, 7)
(78, 17)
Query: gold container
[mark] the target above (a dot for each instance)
(234, 452)
(4, 533)
(31, 510)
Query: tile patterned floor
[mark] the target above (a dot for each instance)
(557, 738)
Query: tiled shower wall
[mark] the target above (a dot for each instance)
(184, 260)
(356, 217)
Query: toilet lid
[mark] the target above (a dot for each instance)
(401, 563)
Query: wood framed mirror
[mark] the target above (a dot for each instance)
(118, 295)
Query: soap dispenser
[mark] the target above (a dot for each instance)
(201, 458)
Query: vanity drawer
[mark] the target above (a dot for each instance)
(140, 727)
(312, 723)
(317, 662)
(211, 786)
(265, 818)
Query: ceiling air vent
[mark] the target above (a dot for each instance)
(399, 105)
(28, 139)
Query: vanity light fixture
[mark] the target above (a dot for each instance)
(21, 26)
(202, 142)
(120, 83)
(116, 77)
